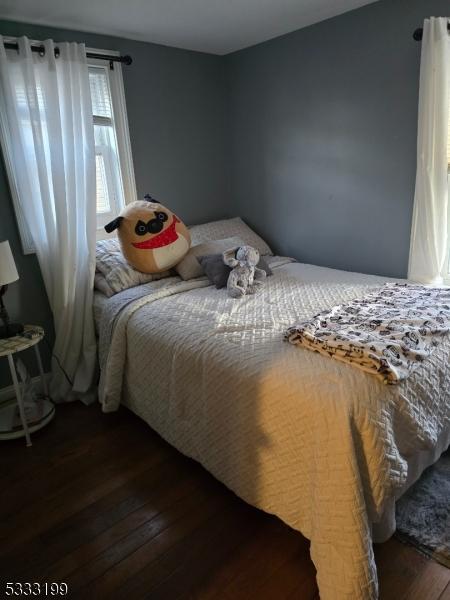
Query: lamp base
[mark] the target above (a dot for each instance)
(10, 331)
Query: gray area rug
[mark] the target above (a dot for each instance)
(423, 513)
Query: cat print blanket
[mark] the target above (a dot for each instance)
(389, 332)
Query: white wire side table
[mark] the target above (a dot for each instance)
(31, 336)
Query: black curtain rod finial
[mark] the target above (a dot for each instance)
(418, 33)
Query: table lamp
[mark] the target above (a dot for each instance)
(8, 274)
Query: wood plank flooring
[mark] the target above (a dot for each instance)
(102, 503)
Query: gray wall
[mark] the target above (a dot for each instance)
(175, 104)
(324, 125)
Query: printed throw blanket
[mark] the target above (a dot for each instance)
(388, 333)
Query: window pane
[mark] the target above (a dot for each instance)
(110, 198)
(101, 100)
(103, 204)
(104, 136)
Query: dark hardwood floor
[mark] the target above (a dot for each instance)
(102, 503)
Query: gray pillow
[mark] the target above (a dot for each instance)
(189, 267)
(217, 271)
(264, 266)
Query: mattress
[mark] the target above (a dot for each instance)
(321, 444)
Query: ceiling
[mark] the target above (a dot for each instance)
(215, 26)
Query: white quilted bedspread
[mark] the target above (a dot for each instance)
(319, 443)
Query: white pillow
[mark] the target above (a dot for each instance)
(218, 230)
(189, 267)
(101, 285)
(118, 274)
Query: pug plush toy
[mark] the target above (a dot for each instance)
(152, 238)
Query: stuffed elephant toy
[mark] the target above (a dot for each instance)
(245, 278)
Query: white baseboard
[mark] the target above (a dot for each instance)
(7, 393)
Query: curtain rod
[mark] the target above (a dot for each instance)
(418, 34)
(126, 60)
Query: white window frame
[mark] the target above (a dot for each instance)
(120, 117)
(122, 138)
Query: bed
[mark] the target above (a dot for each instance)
(322, 445)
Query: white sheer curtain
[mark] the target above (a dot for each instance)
(428, 258)
(48, 132)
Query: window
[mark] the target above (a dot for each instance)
(114, 167)
(114, 172)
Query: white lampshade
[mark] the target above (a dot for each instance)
(8, 271)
